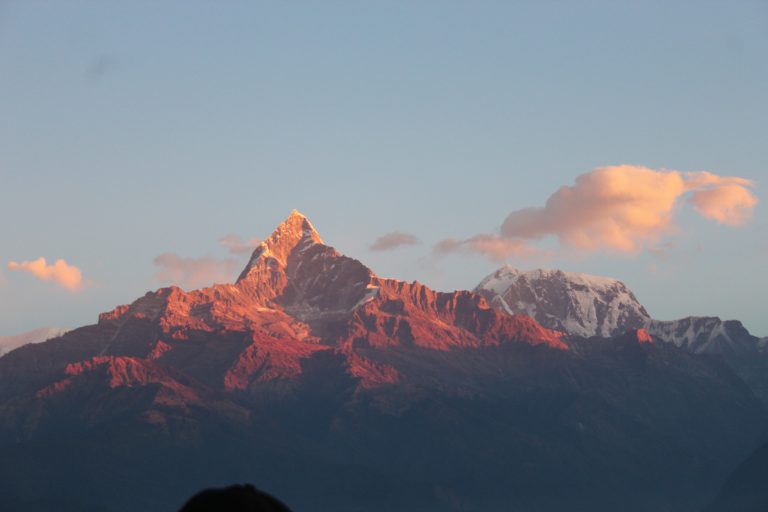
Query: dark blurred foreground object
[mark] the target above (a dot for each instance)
(236, 498)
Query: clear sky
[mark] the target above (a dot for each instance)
(135, 129)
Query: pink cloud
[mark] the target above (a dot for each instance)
(393, 240)
(624, 208)
(66, 275)
(190, 273)
(236, 245)
(627, 208)
(494, 247)
(726, 200)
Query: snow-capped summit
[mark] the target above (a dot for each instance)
(575, 303)
(586, 305)
(706, 335)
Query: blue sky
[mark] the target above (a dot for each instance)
(132, 129)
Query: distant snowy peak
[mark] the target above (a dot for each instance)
(8, 343)
(585, 305)
(579, 304)
(507, 275)
(706, 335)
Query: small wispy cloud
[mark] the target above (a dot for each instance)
(494, 247)
(60, 272)
(236, 245)
(191, 273)
(393, 240)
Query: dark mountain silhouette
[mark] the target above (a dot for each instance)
(340, 390)
(746, 489)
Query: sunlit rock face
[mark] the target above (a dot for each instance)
(337, 389)
(295, 299)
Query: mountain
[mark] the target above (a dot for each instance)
(335, 389)
(579, 304)
(8, 343)
(589, 306)
(705, 335)
(585, 305)
(745, 490)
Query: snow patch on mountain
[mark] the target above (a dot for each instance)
(575, 303)
(586, 305)
(708, 334)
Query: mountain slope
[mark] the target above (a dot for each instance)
(296, 298)
(340, 390)
(746, 489)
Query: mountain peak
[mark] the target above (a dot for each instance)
(580, 304)
(296, 231)
(295, 226)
